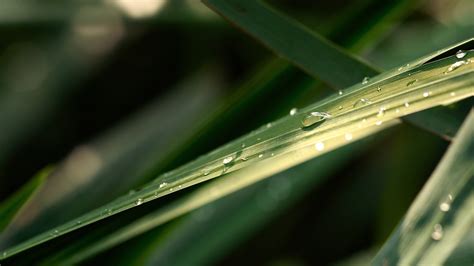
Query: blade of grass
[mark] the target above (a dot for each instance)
(268, 196)
(10, 207)
(130, 149)
(316, 55)
(309, 51)
(441, 215)
(277, 70)
(280, 145)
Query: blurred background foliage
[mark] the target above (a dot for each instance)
(113, 93)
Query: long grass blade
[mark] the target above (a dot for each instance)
(317, 129)
(441, 215)
(10, 207)
(317, 56)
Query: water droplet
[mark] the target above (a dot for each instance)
(272, 154)
(315, 117)
(155, 195)
(228, 160)
(319, 146)
(379, 89)
(362, 101)
(56, 232)
(460, 54)
(269, 125)
(340, 107)
(348, 136)
(293, 111)
(259, 139)
(339, 92)
(244, 159)
(437, 232)
(445, 205)
(78, 222)
(243, 145)
(400, 68)
(139, 201)
(381, 112)
(455, 66)
(378, 123)
(4, 254)
(407, 104)
(452, 94)
(260, 155)
(426, 94)
(365, 80)
(162, 185)
(411, 82)
(397, 110)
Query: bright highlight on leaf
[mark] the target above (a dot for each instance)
(291, 144)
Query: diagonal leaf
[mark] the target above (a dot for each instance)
(319, 128)
(387, 13)
(10, 207)
(294, 42)
(317, 56)
(442, 214)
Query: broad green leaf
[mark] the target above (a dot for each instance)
(316, 55)
(362, 110)
(264, 200)
(294, 42)
(10, 207)
(276, 75)
(90, 168)
(441, 216)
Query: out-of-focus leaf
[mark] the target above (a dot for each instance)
(319, 128)
(441, 215)
(317, 56)
(131, 149)
(10, 207)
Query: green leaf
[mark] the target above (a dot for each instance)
(270, 81)
(292, 41)
(441, 215)
(317, 56)
(299, 137)
(10, 207)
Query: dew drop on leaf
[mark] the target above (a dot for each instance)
(319, 146)
(339, 92)
(455, 66)
(348, 136)
(437, 233)
(315, 117)
(460, 54)
(445, 205)
(162, 185)
(381, 112)
(139, 201)
(365, 80)
(293, 111)
(228, 160)
(361, 102)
